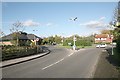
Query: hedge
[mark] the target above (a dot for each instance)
(78, 43)
(10, 52)
(118, 49)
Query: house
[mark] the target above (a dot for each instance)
(22, 37)
(103, 38)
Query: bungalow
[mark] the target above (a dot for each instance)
(21, 36)
(103, 38)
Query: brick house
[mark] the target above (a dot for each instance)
(103, 38)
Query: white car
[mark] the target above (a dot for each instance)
(101, 46)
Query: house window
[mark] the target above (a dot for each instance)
(103, 38)
(97, 38)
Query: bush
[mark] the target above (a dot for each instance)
(10, 52)
(118, 49)
(65, 43)
(118, 44)
(78, 43)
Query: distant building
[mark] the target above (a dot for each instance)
(103, 38)
(21, 36)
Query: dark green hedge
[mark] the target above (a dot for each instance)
(118, 49)
(10, 52)
(78, 42)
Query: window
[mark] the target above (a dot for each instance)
(97, 38)
(103, 38)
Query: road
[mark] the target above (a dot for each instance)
(60, 63)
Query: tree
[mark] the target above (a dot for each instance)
(45, 41)
(1, 33)
(51, 39)
(116, 24)
(105, 32)
(15, 29)
(17, 26)
(57, 39)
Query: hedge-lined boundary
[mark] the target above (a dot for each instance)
(12, 52)
(78, 43)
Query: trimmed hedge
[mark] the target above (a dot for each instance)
(78, 43)
(11, 52)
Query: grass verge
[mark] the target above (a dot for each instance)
(76, 46)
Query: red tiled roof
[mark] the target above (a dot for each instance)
(101, 36)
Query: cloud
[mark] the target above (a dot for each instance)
(102, 18)
(49, 24)
(95, 24)
(31, 23)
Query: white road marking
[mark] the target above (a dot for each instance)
(61, 59)
(53, 64)
(73, 52)
(70, 54)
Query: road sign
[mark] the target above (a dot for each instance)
(74, 39)
(37, 39)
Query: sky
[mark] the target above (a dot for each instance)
(59, 0)
(54, 18)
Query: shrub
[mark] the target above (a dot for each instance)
(78, 42)
(65, 43)
(118, 49)
(10, 52)
(118, 44)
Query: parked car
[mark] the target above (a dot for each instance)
(101, 46)
(114, 43)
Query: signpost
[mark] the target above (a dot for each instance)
(112, 45)
(74, 46)
(37, 39)
(74, 39)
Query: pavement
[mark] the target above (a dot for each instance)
(23, 59)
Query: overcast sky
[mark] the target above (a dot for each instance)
(50, 18)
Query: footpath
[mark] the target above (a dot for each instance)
(107, 67)
(23, 59)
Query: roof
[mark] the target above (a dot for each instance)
(101, 36)
(32, 36)
(21, 36)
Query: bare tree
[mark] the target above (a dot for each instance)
(116, 16)
(1, 33)
(16, 27)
